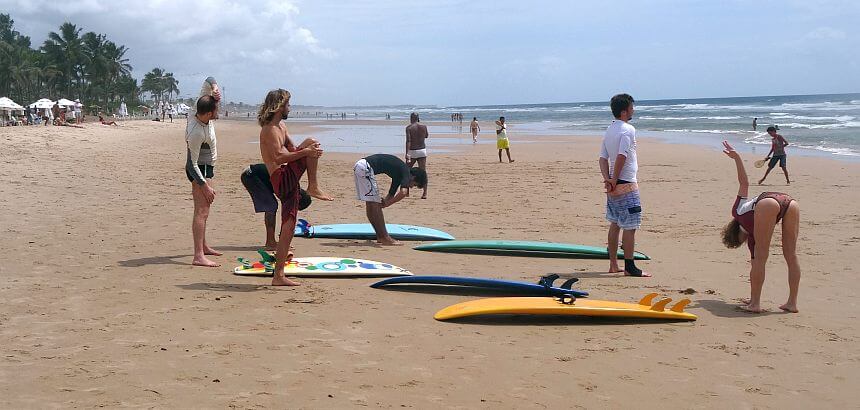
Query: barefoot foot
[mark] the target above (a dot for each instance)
(319, 194)
(209, 251)
(203, 261)
(283, 281)
(387, 242)
(790, 308)
(751, 308)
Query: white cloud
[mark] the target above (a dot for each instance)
(248, 46)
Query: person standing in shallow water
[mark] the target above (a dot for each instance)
(474, 128)
(502, 142)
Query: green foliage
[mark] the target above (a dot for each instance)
(67, 65)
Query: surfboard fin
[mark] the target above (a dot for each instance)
(646, 301)
(568, 284)
(679, 307)
(547, 280)
(661, 305)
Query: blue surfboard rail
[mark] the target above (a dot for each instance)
(543, 288)
(365, 231)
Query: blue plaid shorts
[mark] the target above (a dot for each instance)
(623, 207)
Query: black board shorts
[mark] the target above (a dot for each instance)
(208, 171)
(261, 193)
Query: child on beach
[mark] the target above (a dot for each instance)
(619, 166)
(285, 163)
(502, 142)
(753, 222)
(777, 148)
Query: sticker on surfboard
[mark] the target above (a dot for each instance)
(323, 266)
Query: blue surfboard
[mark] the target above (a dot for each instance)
(542, 288)
(365, 231)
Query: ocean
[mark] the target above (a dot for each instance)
(826, 124)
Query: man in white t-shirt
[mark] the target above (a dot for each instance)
(619, 166)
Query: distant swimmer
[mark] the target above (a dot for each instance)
(753, 222)
(755, 123)
(777, 148)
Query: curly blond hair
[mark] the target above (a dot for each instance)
(274, 102)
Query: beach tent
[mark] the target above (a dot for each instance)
(7, 104)
(43, 104)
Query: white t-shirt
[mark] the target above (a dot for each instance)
(620, 138)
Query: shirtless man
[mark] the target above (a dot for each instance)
(416, 149)
(286, 163)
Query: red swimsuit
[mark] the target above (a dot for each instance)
(747, 219)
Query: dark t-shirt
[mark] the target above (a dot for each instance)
(260, 172)
(393, 167)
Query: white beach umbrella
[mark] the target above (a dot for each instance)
(42, 104)
(62, 102)
(7, 104)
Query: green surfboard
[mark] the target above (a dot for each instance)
(524, 248)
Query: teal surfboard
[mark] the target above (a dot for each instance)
(365, 231)
(524, 248)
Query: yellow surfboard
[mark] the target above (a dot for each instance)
(578, 307)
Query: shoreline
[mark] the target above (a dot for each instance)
(393, 128)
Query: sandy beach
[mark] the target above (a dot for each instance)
(101, 307)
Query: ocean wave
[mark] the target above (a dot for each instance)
(849, 124)
(733, 117)
(709, 131)
(841, 118)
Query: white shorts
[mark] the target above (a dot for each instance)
(418, 153)
(365, 182)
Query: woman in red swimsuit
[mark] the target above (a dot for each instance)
(753, 222)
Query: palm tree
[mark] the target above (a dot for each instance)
(66, 50)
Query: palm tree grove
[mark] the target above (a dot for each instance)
(71, 64)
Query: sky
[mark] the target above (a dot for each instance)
(452, 52)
